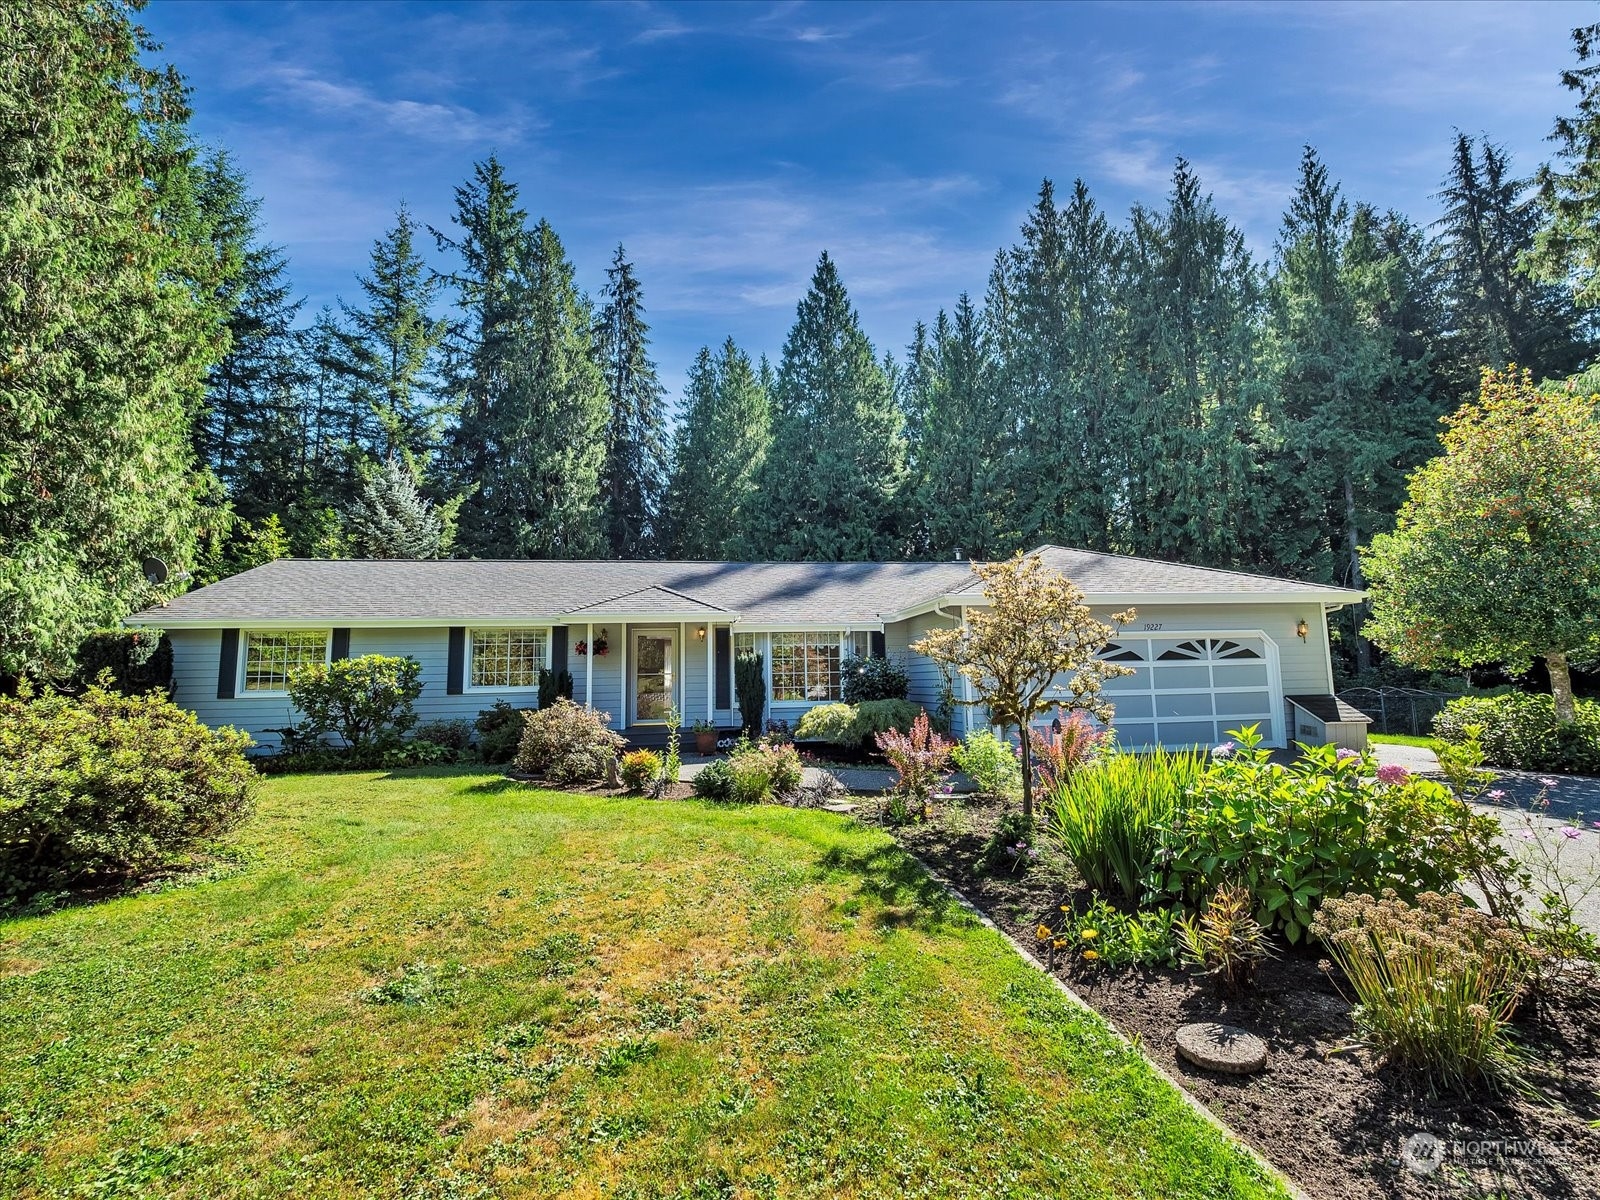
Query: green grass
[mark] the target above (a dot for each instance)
(1404, 739)
(441, 984)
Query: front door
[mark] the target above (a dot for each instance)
(653, 666)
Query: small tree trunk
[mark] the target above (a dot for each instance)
(1357, 580)
(1024, 734)
(1561, 687)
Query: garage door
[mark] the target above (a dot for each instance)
(1189, 690)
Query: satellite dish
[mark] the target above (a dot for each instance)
(154, 570)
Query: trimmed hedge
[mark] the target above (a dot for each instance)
(855, 725)
(1519, 730)
(104, 786)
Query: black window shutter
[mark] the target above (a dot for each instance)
(724, 668)
(341, 644)
(558, 649)
(228, 665)
(455, 671)
(878, 649)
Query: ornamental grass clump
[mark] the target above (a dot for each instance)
(1436, 983)
(1107, 818)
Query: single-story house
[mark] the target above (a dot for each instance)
(1210, 649)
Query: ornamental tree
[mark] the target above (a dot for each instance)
(1033, 630)
(1496, 554)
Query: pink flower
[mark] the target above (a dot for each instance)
(1526, 835)
(1548, 782)
(1345, 754)
(1393, 773)
(1569, 832)
(1497, 794)
(1224, 750)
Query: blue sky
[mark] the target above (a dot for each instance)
(727, 144)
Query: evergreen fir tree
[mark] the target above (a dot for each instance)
(721, 445)
(391, 518)
(110, 326)
(1499, 314)
(954, 418)
(1059, 373)
(1194, 387)
(387, 351)
(832, 474)
(635, 472)
(1566, 249)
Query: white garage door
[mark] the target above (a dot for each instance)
(1189, 690)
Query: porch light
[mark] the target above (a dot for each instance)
(700, 634)
(1302, 629)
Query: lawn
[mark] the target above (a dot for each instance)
(1404, 739)
(443, 984)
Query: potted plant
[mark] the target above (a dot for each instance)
(705, 737)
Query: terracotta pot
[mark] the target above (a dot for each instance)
(706, 743)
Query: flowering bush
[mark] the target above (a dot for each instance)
(568, 743)
(1010, 847)
(921, 758)
(1436, 982)
(1298, 834)
(990, 762)
(1520, 731)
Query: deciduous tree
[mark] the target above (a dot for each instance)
(1496, 554)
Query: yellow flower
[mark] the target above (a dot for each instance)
(1063, 908)
(1043, 933)
(1091, 955)
(1089, 935)
(1060, 943)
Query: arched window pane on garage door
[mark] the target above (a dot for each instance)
(1189, 691)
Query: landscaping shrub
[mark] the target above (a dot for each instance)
(638, 768)
(866, 679)
(568, 743)
(1058, 756)
(990, 762)
(1108, 817)
(109, 785)
(364, 701)
(499, 732)
(1297, 835)
(553, 686)
(761, 773)
(853, 725)
(831, 723)
(1436, 982)
(1010, 847)
(1225, 941)
(1520, 730)
(451, 735)
(921, 758)
(750, 686)
(714, 781)
(140, 660)
(417, 752)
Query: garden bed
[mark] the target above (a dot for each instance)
(1336, 1123)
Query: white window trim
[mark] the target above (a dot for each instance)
(549, 652)
(240, 692)
(847, 647)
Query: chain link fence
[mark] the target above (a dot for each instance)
(1399, 709)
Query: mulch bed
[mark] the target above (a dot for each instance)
(1335, 1123)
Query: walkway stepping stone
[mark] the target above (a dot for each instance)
(1225, 1048)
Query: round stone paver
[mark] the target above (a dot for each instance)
(1224, 1048)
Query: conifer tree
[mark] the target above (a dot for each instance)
(828, 487)
(108, 330)
(387, 350)
(635, 472)
(954, 419)
(1499, 314)
(391, 518)
(1060, 370)
(1193, 386)
(1567, 247)
(722, 442)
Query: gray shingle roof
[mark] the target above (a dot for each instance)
(351, 592)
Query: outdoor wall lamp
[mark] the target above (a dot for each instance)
(700, 634)
(1302, 629)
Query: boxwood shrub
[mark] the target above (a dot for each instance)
(103, 785)
(1519, 730)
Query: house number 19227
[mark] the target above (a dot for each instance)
(1152, 626)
